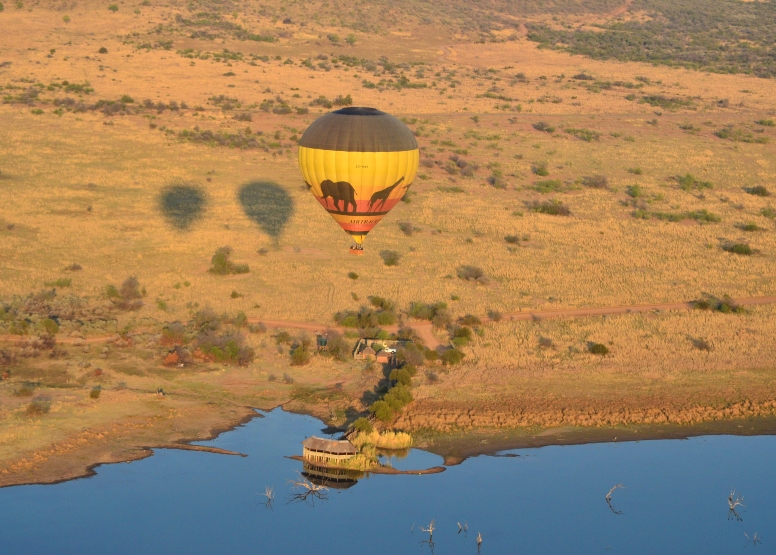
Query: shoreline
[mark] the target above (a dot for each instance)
(457, 446)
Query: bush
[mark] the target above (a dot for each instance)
(103, 50)
(540, 169)
(363, 425)
(739, 248)
(222, 265)
(128, 296)
(471, 273)
(49, 326)
(451, 357)
(352, 275)
(726, 305)
(400, 376)
(688, 182)
(494, 315)
(95, 392)
(551, 207)
(283, 337)
(469, 320)
(512, 239)
(595, 181)
(39, 406)
(300, 356)
(548, 186)
(343, 100)
(407, 228)
(542, 126)
(382, 411)
(634, 191)
(61, 282)
(390, 258)
(113, 7)
(411, 355)
(597, 349)
(425, 311)
(758, 190)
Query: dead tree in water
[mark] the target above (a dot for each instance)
(735, 500)
(464, 528)
(609, 498)
(309, 491)
(430, 530)
(269, 493)
(479, 542)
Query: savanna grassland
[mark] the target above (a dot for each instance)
(559, 169)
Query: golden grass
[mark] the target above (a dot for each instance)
(382, 440)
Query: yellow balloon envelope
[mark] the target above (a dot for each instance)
(359, 163)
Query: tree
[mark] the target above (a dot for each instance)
(382, 411)
(362, 425)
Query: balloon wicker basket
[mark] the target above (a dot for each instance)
(356, 252)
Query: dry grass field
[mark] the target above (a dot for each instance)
(137, 141)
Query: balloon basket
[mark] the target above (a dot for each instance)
(356, 252)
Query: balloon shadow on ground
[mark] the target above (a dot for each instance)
(268, 205)
(182, 205)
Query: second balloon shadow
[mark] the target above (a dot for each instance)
(268, 205)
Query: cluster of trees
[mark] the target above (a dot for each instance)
(722, 37)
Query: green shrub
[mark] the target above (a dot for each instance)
(739, 248)
(113, 7)
(766, 122)
(300, 356)
(283, 337)
(750, 227)
(451, 357)
(512, 239)
(551, 207)
(363, 425)
(431, 355)
(469, 320)
(425, 311)
(758, 190)
(401, 376)
(95, 392)
(598, 349)
(542, 126)
(584, 134)
(540, 169)
(635, 171)
(548, 186)
(688, 182)
(61, 282)
(390, 258)
(382, 411)
(352, 275)
(103, 50)
(222, 265)
(726, 305)
(634, 191)
(49, 326)
(471, 273)
(1, 7)
(768, 212)
(595, 181)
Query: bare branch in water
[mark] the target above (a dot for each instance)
(609, 499)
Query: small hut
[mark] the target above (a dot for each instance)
(327, 451)
(368, 353)
(383, 356)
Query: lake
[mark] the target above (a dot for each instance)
(546, 500)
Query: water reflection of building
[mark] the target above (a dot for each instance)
(332, 477)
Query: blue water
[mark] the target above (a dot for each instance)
(547, 500)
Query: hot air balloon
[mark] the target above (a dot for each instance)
(359, 163)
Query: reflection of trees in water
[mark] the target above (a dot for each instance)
(182, 205)
(268, 205)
